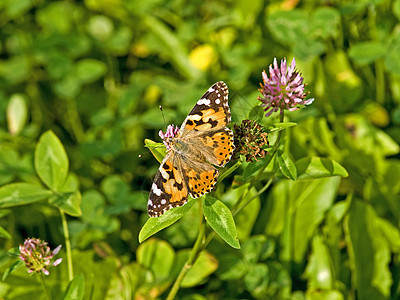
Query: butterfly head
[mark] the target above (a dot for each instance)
(169, 135)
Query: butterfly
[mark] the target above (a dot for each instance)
(202, 141)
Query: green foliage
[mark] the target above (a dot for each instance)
(81, 83)
(219, 217)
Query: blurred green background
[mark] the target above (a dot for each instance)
(95, 73)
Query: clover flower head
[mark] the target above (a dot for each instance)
(283, 88)
(250, 140)
(37, 256)
(171, 132)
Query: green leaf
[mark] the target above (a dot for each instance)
(288, 27)
(16, 265)
(4, 233)
(173, 46)
(231, 267)
(325, 22)
(14, 9)
(15, 69)
(295, 210)
(256, 114)
(89, 70)
(252, 169)
(369, 252)
(76, 288)
(91, 267)
(309, 202)
(157, 149)
(281, 126)
(255, 247)
(57, 16)
(17, 113)
(51, 161)
(319, 263)
(287, 166)
(22, 193)
(396, 9)
(128, 276)
(68, 87)
(319, 167)
(100, 27)
(69, 202)
(154, 225)
(120, 42)
(365, 53)
(391, 233)
(246, 218)
(257, 280)
(157, 256)
(204, 266)
(392, 62)
(220, 218)
(308, 48)
(323, 295)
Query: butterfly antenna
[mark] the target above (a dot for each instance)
(162, 113)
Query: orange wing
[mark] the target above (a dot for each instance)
(210, 112)
(168, 189)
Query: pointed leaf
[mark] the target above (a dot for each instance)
(22, 193)
(51, 161)
(69, 202)
(281, 126)
(257, 279)
(287, 166)
(76, 288)
(157, 149)
(319, 273)
(369, 252)
(4, 233)
(319, 167)
(154, 225)
(19, 263)
(156, 255)
(220, 218)
(88, 70)
(204, 266)
(256, 114)
(17, 113)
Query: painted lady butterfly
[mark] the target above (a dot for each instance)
(202, 140)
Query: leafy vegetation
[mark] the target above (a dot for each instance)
(80, 88)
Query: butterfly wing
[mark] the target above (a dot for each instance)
(169, 188)
(199, 177)
(204, 129)
(210, 112)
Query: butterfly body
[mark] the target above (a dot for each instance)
(203, 140)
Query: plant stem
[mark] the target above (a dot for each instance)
(197, 248)
(67, 246)
(45, 286)
(264, 188)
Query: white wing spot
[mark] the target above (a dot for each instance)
(210, 90)
(156, 190)
(150, 202)
(163, 201)
(217, 101)
(204, 101)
